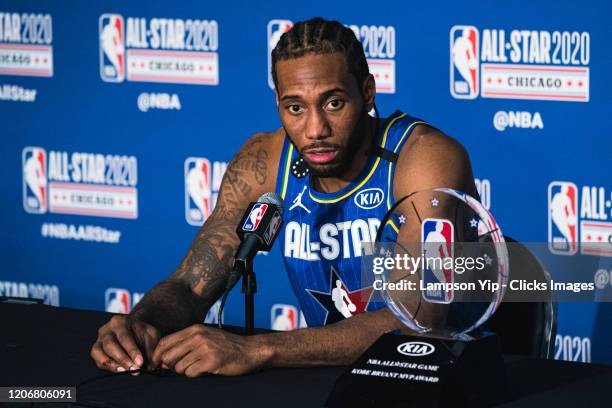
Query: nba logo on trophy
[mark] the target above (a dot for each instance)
(437, 237)
(562, 217)
(35, 192)
(464, 62)
(112, 48)
(198, 190)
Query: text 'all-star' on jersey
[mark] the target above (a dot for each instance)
(323, 233)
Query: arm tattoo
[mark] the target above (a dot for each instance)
(182, 299)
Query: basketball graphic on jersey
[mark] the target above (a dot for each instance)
(339, 302)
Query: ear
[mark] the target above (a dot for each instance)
(276, 96)
(368, 90)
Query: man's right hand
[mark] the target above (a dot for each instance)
(121, 343)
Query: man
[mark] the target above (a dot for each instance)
(330, 150)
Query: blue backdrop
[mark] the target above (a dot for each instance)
(118, 119)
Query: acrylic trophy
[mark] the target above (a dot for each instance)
(440, 265)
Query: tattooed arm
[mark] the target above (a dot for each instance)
(183, 299)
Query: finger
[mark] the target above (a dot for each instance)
(102, 360)
(196, 368)
(113, 349)
(126, 340)
(187, 360)
(149, 346)
(177, 352)
(148, 338)
(166, 343)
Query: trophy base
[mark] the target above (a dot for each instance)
(417, 371)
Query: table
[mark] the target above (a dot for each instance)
(49, 346)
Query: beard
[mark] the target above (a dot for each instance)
(346, 154)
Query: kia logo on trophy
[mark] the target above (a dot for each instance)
(416, 348)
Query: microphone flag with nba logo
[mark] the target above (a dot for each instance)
(263, 220)
(257, 231)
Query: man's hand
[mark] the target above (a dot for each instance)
(198, 349)
(121, 341)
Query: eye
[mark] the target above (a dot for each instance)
(294, 109)
(335, 104)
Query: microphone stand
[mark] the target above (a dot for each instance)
(249, 288)
(244, 265)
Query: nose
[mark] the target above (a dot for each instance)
(317, 126)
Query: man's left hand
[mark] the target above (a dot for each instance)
(199, 349)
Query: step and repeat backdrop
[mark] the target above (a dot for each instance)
(118, 119)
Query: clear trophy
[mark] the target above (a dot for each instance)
(440, 265)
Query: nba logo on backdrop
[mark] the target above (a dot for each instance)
(284, 317)
(562, 217)
(276, 28)
(464, 62)
(35, 191)
(202, 184)
(117, 300)
(437, 236)
(198, 190)
(112, 48)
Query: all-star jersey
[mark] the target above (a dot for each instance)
(322, 236)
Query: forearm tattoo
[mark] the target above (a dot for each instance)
(206, 264)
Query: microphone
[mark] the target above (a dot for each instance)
(257, 230)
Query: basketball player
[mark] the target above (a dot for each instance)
(328, 152)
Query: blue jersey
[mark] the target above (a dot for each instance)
(322, 236)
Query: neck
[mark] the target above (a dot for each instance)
(333, 184)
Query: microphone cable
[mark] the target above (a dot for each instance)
(232, 278)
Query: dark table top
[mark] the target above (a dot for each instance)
(49, 346)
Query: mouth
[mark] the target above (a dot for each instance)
(321, 155)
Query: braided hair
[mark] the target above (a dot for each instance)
(320, 36)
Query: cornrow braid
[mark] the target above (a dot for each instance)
(320, 36)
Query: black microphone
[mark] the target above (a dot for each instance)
(257, 230)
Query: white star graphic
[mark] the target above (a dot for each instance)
(473, 223)
(434, 202)
(402, 219)
(488, 259)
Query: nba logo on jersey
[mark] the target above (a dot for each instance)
(198, 191)
(35, 193)
(464, 62)
(276, 28)
(284, 317)
(117, 300)
(562, 217)
(112, 48)
(437, 237)
(254, 218)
